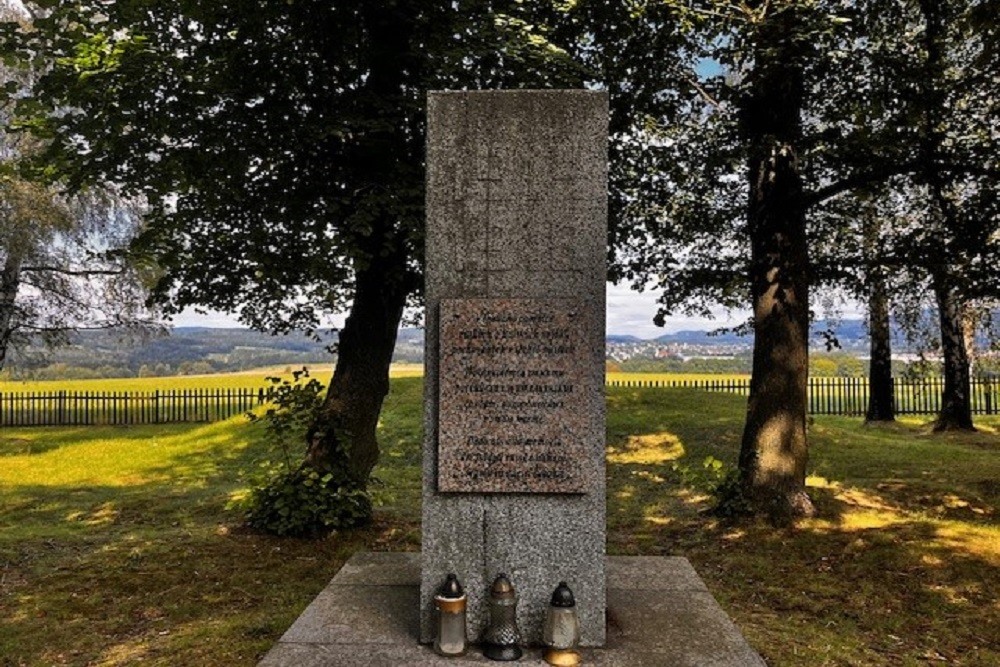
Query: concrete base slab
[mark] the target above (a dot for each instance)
(659, 614)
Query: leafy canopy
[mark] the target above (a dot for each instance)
(280, 144)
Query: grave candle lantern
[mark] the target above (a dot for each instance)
(562, 628)
(450, 602)
(502, 636)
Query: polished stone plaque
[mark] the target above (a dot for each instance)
(512, 399)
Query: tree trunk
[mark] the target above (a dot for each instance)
(881, 406)
(956, 399)
(970, 323)
(774, 451)
(10, 281)
(346, 429)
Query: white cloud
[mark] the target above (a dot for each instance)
(213, 318)
(629, 313)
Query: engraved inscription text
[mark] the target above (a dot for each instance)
(512, 396)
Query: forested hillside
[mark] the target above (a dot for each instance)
(187, 351)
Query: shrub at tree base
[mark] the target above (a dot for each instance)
(300, 500)
(306, 503)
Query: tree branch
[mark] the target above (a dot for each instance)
(705, 95)
(862, 179)
(879, 174)
(138, 324)
(74, 272)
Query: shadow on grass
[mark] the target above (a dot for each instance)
(902, 467)
(899, 568)
(153, 567)
(38, 440)
(887, 594)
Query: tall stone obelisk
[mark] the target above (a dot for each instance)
(514, 406)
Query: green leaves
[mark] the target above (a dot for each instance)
(292, 498)
(303, 504)
(280, 145)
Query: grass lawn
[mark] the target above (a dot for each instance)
(115, 545)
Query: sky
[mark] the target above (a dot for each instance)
(628, 313)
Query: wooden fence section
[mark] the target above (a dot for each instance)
(849, 395)
(85, 408)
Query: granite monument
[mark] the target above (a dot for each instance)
(513, 477)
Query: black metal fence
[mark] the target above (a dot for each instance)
(849, 395)
(85, 408)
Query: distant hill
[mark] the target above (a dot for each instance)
(618, 338)
(850, 333)
(189, 350)
(703, 338)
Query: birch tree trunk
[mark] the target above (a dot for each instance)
(10, 281)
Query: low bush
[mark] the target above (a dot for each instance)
(287, 495)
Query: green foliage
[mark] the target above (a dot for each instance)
(718, 480)
(306, 503)
(293, 406)
(303, 121)
(62, 265)
(837, 365)
(292, 498)
(740, 364)
(279, 145)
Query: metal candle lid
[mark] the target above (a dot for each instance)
(562, 596)
(451, 589)
(502, 589)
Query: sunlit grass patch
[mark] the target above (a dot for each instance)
(648, 449)
(116, 547)
(118, 456)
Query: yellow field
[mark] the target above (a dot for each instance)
(256, 378)
(248, 380)
(673, 377)
(241, 380)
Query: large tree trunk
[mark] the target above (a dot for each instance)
(956, 399)
(346, 431)
(970, 323)
(10, 281)
(881, 407)
(774, 451)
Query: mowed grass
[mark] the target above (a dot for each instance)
(901, 567)
(116, 546)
